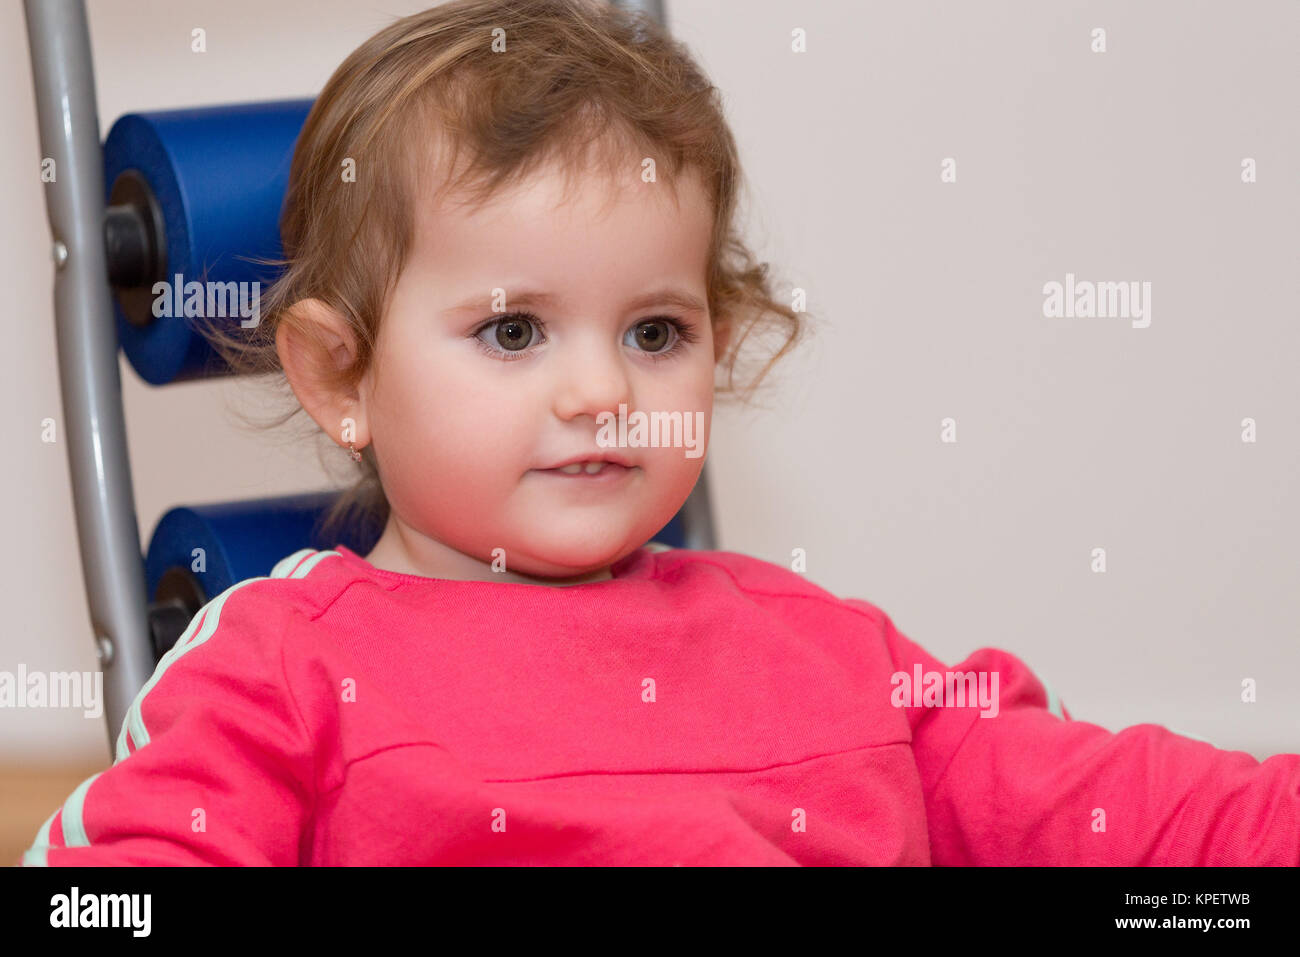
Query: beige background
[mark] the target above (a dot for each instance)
(1073, 433)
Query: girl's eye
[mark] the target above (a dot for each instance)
(653, 335)
(514, 333)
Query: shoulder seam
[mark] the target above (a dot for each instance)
(819, 595)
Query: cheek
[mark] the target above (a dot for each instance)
(688, 392)
(692, 396)
(444, 427)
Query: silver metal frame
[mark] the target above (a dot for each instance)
(653, 7)
(94, 428)
(89, 379)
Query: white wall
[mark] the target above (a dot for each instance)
(1072, 433)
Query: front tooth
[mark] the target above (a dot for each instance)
(594, 467)
(573, 469)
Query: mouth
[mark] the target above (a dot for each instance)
(590, 472)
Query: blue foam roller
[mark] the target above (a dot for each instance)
(219, 175)
(239, 539)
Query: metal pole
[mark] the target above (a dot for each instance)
(653, 7)
(697, 516)
(94, 428)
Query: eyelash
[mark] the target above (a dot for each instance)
(685, 335)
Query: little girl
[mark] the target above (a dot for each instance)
(505, 222)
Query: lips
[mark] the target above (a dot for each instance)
(588, 469)
(591, 458)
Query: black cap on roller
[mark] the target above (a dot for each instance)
(135, 241)
(178, 598)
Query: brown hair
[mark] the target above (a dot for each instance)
(592, 74)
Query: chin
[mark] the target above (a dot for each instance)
(558, 561)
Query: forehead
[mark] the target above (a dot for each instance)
(557, 227)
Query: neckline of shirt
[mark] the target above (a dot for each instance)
(632, 565)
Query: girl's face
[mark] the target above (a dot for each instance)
(512, 327)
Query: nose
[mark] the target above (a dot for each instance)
(593, 378)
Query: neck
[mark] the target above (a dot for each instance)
(402, 550)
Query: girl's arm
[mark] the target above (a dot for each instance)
(1033, 786)
(214, 764)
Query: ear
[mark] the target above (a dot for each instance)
(314, 342)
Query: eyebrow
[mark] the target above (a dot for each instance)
(528, 297)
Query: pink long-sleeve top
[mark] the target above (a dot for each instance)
(696, 708)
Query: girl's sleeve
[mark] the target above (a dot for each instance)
(214, 762)
(1031, 785)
